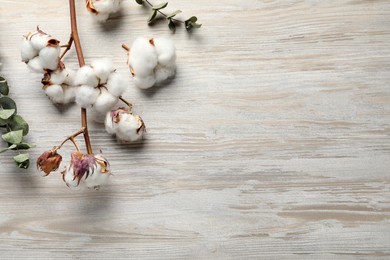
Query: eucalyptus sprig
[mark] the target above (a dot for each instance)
(15, 127)
(190, 23)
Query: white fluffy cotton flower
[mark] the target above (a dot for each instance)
(152, 61)
(86, 95)
(40, 51)
(125, 125)
(99, 86)
(101, 9)
(59, 85)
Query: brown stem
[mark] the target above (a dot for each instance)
(124, 46)
(71, 138)
(80, 57)
(126, 102)
(68, 46)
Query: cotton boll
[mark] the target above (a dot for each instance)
(145, 82)
(27, 51)
(69, 178)
(86, 96)
(163, 73)
(109, 123)
(58, 76)
(103, 6)
(69, 94)
(102, 68)
(35, 65)
(101, 173)
(55, 93)
(39, 40)
(70, 77)
(116, 84)
(130, 128)
(104, 102)
(166, 51)
(86, 76)
(97, 179)
(49, 57)
(142, 57)
(116, 5)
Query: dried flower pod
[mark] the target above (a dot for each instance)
(49, 161)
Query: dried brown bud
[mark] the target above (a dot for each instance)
(49, 161)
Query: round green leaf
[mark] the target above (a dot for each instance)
(22, 160)
(6, 113)
(18, 123)
(3, 86)
(7, 103)
(152, 16)
(160, 6)
(13, 137)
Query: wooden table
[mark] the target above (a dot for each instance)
(272, 141)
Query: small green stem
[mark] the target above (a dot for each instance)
(163, 14)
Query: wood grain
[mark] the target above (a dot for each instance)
(272, 142)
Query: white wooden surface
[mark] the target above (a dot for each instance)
(272, 142)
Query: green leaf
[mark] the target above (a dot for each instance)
(160, 6)
(3, 123)
(193, 19)
(18, 123)
(174, 14)
(7, 103)
(6, 113)
(191, 23)
(8, 148)
(22, 160)
(171, 25)
(3, 86)
(140, 2)
(152, 16)
(21, 146)
(13, 137)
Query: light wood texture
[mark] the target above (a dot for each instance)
(272, 142)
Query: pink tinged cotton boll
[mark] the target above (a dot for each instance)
(49, 57)
(81, 169)
(86, 76)
(116, 84)
(130, 128)
(109, 123)
(101, 173)
(69, 178)
(86, 96)
(104, 102)
(102, 68)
